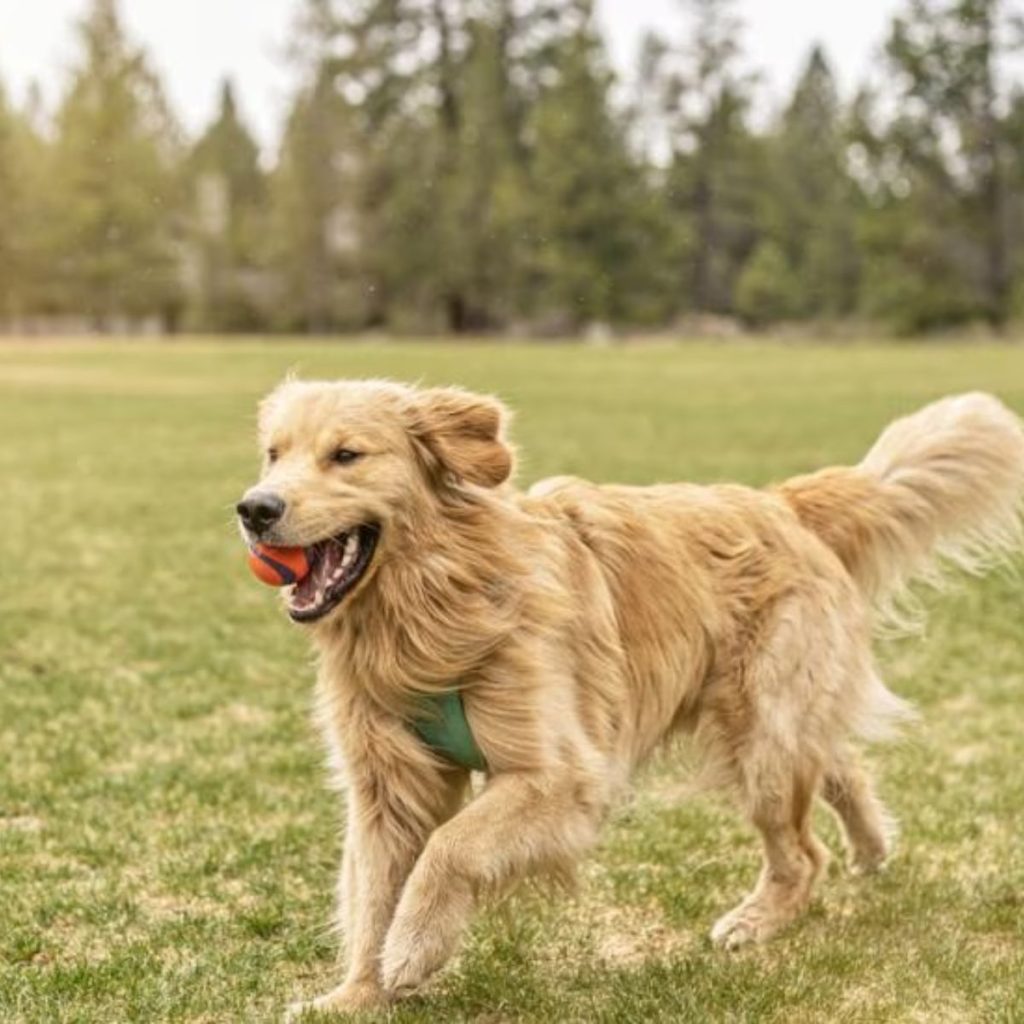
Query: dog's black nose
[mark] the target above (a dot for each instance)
(259, 510)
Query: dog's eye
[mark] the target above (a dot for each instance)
(271, 455)
(343, 456)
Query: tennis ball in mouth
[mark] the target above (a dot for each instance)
(278, 567)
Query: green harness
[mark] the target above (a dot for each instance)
(443, 727)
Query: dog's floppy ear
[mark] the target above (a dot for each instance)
(464, 434)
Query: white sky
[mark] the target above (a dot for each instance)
(193, 43)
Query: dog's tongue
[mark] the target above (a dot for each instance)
(324, 559)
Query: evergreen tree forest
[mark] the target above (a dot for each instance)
(475, 166)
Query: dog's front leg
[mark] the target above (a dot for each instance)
(521, 823)
(382, 841)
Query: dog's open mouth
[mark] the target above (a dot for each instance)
(336, 565)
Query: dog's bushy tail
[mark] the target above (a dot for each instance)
(943, 487)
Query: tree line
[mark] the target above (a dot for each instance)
(474, 166)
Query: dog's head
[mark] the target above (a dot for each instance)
(353, 470)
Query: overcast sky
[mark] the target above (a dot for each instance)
(193, 43)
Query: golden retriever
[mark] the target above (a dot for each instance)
(583, 626)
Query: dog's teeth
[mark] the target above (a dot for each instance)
(351, 544)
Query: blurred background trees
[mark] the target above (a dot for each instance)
(110, 172)
(224, 205)
(474, 166)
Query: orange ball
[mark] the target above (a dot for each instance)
(278, 567)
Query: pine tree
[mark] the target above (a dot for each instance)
(593, 214)
(943, 233)
(483, 181)
(315, 217)
(809, 200)
(768, 289)
(26, 205)
(716, 170)
(488, 191)
(114, 177)
(437, 95)
(228, 195)
(11, 218)
(356, 186)
(1014, 138)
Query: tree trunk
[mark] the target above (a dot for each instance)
(454, 302)
(445, 75)
(997, 243)
(703, 202)
(455, 309)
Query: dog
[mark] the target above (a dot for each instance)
(581, 626)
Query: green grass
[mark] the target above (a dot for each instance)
(167, 843)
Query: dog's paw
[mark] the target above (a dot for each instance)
(346, 999)
(869, 859)
(864, 867)
(743, 926)
(733, 933)
(407, 962)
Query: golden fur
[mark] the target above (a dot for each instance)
(587, 624)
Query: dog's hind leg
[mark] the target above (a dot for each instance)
(779, 803)
(775, 723)
(866, 825)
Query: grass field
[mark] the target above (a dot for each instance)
(168, 846)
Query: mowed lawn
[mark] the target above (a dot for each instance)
(167, 841)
